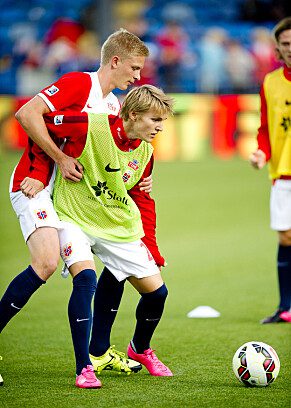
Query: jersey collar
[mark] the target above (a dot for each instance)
(118, 132)
(287, 72)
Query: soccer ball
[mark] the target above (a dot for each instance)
(256, 364)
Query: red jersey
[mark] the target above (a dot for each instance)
(77, 91)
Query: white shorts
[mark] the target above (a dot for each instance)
(34, 213)
(280, 205)
(123, 259)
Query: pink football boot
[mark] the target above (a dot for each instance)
(150, 361)
(87, 378)
(286, 316)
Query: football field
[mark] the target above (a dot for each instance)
(213, 229)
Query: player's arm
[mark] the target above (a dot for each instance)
(146, 206)
(259, 158)
(30, 116)
(40, 171)
(69, 125)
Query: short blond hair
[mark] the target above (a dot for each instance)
(283, 25)
(144, 98)
(124, 44)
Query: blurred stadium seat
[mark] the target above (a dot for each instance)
(24, 26)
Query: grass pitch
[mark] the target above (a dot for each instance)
(213, 228)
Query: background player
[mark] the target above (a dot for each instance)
(274, 147)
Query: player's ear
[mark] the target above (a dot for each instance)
(278, 54)
(115, 60)
(133, 116)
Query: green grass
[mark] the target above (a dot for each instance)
(213, 228)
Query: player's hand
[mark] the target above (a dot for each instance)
(146, 184)
(70, 168)
(162, 266)
(30, 187)
(258, 159)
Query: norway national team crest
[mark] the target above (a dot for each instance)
(67, 250)
(126, 176)
(41, 214)
(133, 165)
(111, 106)
(52, 90)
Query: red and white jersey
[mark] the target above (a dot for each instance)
(80, 91)
(77, 91)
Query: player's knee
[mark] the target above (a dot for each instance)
(87, 277)
(152, 303)
(163, 292)
(45, 267)
(160, 294)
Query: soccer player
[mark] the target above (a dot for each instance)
(101, 214)
(122, 58)
(274, 147)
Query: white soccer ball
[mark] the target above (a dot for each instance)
(256, 364)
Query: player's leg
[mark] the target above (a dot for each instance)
(280, 209)
(43, 245)
(149, 311)
(80, 318)
(38, 222)
(133, 261)
(106, 303)
(76, 253)
(283, 313)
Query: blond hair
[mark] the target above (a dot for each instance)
(124, 44)
(145, 98)
(283, 25)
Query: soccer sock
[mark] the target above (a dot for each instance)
(17, 294)
(106, 303)
(148, 314)
(284, 276)
(80, 315)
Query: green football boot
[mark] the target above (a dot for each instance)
(115, 361)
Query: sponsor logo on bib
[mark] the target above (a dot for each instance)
(133, 164)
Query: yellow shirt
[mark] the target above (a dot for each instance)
(277, 91)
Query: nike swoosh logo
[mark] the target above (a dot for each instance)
(110, 169)
(152, 320)
(282, 264)
(114, 310)
(81, 320)
(15, 307)
(287, 103)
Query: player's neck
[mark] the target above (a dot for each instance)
(128, 127)
(105, 81)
